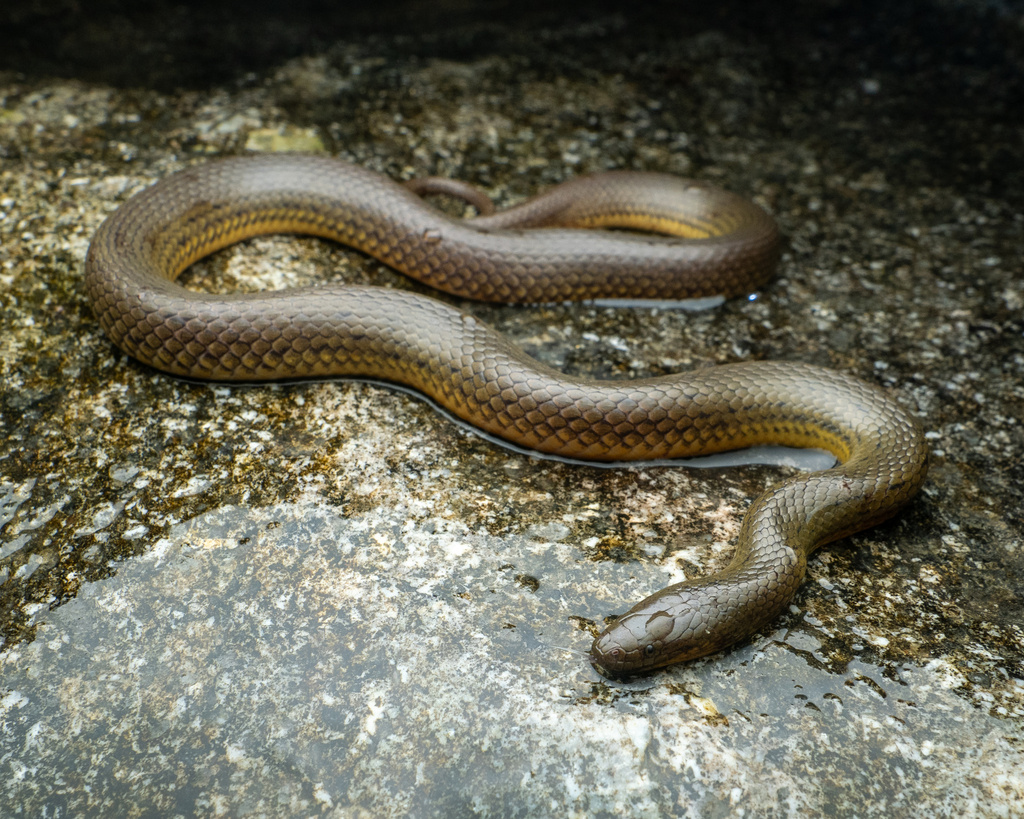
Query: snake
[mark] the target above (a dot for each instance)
(615, 234)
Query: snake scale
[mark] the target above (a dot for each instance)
(550, 248)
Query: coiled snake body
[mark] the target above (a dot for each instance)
(720, 244)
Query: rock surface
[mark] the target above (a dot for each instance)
(326, 599)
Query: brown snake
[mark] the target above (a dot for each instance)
(719, 244)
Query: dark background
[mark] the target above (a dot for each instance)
(167, 45)
(962, 62)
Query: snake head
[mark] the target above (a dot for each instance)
(662, 630)
(637, 642)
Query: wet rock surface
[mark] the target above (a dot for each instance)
(326, 599)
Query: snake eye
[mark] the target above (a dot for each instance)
(649, 649)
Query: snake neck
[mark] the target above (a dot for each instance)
(778, 533)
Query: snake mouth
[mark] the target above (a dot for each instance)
(609, 663)
(616, 663)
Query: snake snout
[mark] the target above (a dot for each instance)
(611, 658)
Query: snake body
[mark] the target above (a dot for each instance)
(717, 244)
